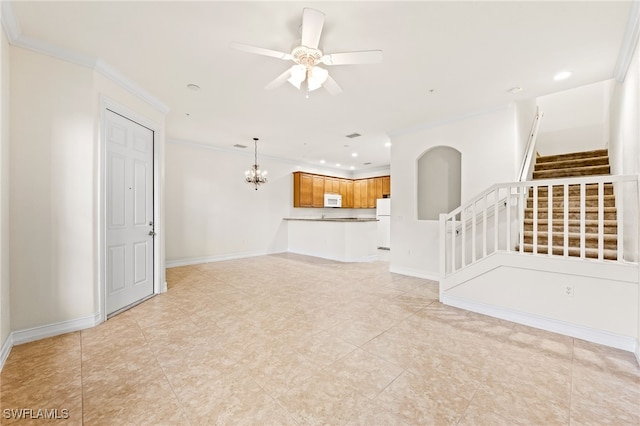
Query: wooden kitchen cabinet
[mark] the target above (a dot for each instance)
(371, 193)
(331, 185)
(378, 187)
(346, 191)
(386, 186)
(308, 190)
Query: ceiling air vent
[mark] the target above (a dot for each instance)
(366, 164)
(239, 146)
(353, 135)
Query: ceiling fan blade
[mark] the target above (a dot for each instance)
(349, 58)
(279, 80)
(312, 22)
(260, 51)
(331, 86)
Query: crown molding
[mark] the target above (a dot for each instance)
(16, 38)
(629, 43)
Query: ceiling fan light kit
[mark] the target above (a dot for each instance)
(307, 56)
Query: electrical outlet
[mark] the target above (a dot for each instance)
(568, 290)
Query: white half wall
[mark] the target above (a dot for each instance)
(487, 143)
(602, 305)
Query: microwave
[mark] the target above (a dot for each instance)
(332, 200)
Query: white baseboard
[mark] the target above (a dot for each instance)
(601, 337)
(219, 258)
(414, 273)
(43, 331)
(5, 350)
(637, 352)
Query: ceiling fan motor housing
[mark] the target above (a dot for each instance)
(306, 56)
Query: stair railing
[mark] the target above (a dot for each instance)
(526, 168)
(494, 221)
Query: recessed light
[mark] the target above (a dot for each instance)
(352, 168)
(387, 144)
(562, 75)
(322, 161)
(193, 87)
(515, 90)
(337, 164)
(354, 154)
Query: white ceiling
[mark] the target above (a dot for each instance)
(441, 60)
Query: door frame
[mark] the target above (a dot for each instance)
(159, 282)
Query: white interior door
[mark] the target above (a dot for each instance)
(129, 212)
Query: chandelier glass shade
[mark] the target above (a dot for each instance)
(254, 175)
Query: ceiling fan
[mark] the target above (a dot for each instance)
(307, 57)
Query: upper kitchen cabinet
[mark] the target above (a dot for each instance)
(386, 186)
(331, 185)
(346, 191)
(308, 190)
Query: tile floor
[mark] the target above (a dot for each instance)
(294, 340)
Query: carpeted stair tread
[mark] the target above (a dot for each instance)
(574, 162)
(572, 172)
(591, 253)
(572, 156)
(610, 241)
(573, 201)
(574, 190)
(591, 226)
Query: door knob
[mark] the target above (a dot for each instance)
(152, 233)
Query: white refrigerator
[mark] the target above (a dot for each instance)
(383, 214)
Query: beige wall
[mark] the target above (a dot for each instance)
(5, 326)
(55, 162)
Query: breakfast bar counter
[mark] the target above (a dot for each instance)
(342, 239)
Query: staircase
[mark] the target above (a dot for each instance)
(589, 163)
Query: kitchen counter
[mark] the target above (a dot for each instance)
(334, 219)
(346, 239)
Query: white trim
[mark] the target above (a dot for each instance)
(629, 43)
(637, 352)
(113, 74)
(41, 332)
(16, 38)
(568, 329)
(5, 350)
(159, 281)
(414, 273)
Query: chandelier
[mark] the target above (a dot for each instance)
(254, 175)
